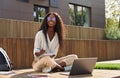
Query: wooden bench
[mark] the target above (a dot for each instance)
(20, 50)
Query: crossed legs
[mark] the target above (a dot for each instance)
(55, 64)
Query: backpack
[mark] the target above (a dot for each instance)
(5, 63)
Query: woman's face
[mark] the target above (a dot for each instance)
(51, 20)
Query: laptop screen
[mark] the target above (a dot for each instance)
(83, 66)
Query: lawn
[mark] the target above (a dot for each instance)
(111, 66)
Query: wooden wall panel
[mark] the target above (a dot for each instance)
(20, 50)
(27, 29)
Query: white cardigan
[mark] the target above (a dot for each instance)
(40, 43)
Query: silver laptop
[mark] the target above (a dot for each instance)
(82, 66)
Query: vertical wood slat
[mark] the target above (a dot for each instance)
(14, 52)
(19, 55)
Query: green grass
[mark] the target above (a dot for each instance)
(111, 66)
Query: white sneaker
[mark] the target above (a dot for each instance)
(46, 69)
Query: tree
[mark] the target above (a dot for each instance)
(112, 11)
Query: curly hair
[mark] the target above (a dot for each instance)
(59, 27)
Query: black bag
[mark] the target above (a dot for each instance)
(5, 63)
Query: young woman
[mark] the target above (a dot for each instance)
(48, 40)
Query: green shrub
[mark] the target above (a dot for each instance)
(112, 33)
(112, 30)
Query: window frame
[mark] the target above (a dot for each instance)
(76, 11)
(37, 15)
(26, 1)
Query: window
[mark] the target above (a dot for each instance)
(54, 3)
(79, 15)
(39, 13)
(23, 0)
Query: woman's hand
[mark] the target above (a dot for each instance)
(58, 68)
(40, 53)
(52, 56)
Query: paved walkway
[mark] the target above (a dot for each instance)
(110, 61)
(97, 73)
(29, 73)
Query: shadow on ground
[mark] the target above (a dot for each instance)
(23, 75)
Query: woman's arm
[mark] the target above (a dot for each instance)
(40, 53)
(38, 49)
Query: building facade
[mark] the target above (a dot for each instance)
(88, 13)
